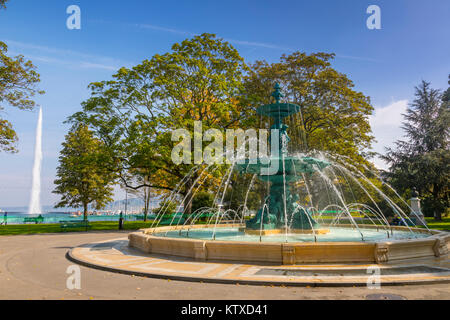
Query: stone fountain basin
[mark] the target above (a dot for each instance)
(434, 246)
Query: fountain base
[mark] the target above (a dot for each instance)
(167, 240)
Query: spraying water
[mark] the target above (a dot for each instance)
(35, 205)
(327, 178)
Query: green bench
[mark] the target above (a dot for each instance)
(75, 224)
(35, 220)
(171, 218)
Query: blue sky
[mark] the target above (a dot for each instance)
(384, 64)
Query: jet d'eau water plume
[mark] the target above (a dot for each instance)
(35, 205)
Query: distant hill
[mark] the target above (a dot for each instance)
(133, 204)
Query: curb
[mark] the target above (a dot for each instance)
(84, 263)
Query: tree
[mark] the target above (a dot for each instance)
(202, 199)
(333, 116)
(3, 4)
(81, 175)
(144, 193)
(423, 161)
(18, 79)
(166, 207)
(135, 113)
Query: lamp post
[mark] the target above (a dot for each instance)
(126, 201)
(121, 221)
(121, 215)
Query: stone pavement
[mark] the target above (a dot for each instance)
(34, 267)
(117, 256)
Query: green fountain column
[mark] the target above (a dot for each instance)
(281, 208)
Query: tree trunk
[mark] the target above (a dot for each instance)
(147, 203)
(145, 211)
(437, 212)
(85, 212)
(188, 196)
(437, 215)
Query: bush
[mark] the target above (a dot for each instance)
(202, 199)
(167, 206)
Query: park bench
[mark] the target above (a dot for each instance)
(167, 219)
(35, 220)
(75, 224)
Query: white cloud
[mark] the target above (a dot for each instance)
(343, 56)
(90, 65)
(386, 125)
(158, 28)
(188, 33)
(390, 115)
(68, 58)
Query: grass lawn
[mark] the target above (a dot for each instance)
(55, 227)
(438, 225)
(135, 225)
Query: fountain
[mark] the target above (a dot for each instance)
(285, 230)
(283, 214)
(35, 206)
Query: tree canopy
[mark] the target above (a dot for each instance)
(135, 113)
(3, 4)
(82, 178)
(423, 161)
(18, 86)
(205, 79)
(333, 117)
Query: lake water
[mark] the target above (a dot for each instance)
(55, 217)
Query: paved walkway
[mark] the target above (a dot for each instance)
(34, 267)
(117, 256)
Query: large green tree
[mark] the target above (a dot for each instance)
(205, 79)
(18, 79)
(82, 177)
(18, 86)
(333, 117)
(136, 112)
(423, 161)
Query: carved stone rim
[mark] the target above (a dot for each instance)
(431, 247)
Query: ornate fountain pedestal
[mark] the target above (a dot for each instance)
(281, 213)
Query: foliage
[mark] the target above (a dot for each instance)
(205, 79)
(81, 175)
(333, 116)
(8, 137)
(202, 199)
(3, 4)
(135, 113)
(145, 194)
(423, 162)
(18, 79)
(166, 207)
(245, 189)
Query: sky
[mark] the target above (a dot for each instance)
(385, 64)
